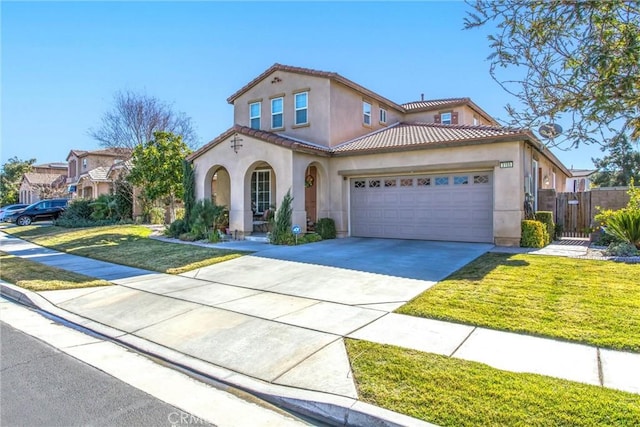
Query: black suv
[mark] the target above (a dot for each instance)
(40, 211)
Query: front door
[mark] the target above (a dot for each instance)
(310, 194)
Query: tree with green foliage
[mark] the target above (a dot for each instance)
(158, 170)
(575, 63)
(10, 178)
(619, 167)
(189, 194)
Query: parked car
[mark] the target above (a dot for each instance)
(40, 211)
(7, 211)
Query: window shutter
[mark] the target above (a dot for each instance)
(436, 118)
(454, 118)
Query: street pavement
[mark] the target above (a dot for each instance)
(274, 322)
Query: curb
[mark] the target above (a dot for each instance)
(332, 409)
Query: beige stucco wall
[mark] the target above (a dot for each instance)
(317, 130)
(347, 115)
(465, 115)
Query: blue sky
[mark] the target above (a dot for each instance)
(62, 62)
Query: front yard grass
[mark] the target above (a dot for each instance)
(124, 244)
(453, 392)
(39, 277)
(593, 302)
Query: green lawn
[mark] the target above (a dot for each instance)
(124, 244)
(594, 302)
(453, 392)
(39, 277)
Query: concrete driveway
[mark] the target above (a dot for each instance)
(411, 259)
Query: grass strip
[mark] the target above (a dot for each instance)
(124, 244)
(453, 392)
(39, 277)
(588, 301)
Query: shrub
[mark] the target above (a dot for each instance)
(625, 225)
(176, 228)
(104, 208)
(309, 238)
(546, 217)
(326, 228)
(533, 234)
(558, 229)
(156, 215)
(123, 192)
(188, 237)
(179, 213)
(622, 249)
(78, 209)
(205, 217)
(281, 224)
(603, 215)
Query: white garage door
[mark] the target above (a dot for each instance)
(456, 207)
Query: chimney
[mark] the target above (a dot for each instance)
(422, 97)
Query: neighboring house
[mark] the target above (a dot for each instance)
(43, 181)
(91, 173)
(430, 169)
(580, 180)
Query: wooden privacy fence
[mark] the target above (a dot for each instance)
(573, 212)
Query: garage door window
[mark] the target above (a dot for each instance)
(390, 182)
(481, 179)
(406, 182)
(442, 180)
(359, 184)
(423, 182)
(374, 183)
(460, 180)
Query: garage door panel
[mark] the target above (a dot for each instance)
(460, 209)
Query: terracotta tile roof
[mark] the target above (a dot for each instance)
(112, 152)
(40, 178)
(284, 141)
(422, 135)
(310, 72)
(99, 174)
(430, 104)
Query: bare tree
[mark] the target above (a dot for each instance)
(136, 116)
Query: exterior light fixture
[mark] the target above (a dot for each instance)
(507, 164)
(235, 143)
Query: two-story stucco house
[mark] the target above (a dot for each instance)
(42, 181)
(430, 169)
(91, 173)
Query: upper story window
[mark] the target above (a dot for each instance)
(445, 118)
(254, 115)
(84, 163)
(383, 115)
(277, 120)
(475, 121)
(366, 113)
(302, 108)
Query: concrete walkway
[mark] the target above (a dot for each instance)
(277, 318)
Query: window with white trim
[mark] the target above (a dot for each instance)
(366, 113)
(277, 110)
(383, 115)
(301, 108)
(254, 115)
(84, 163)
(261, 190)
(445, 118)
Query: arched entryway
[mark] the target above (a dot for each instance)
(260, 192)
(221, 187)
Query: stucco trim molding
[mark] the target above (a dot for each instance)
(418, 169)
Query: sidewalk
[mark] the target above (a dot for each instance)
(285, 343)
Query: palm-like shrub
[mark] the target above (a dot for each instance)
(625, 225)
